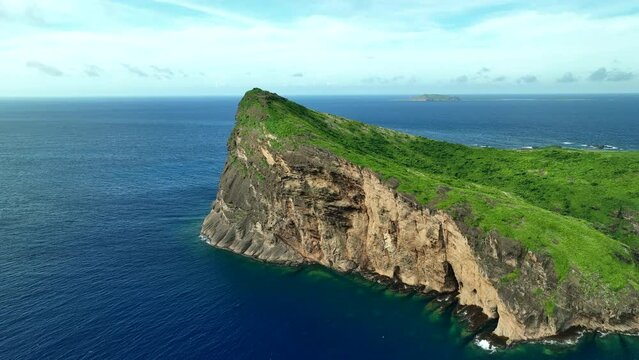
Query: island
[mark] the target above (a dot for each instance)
(434, 98)
(539, 242)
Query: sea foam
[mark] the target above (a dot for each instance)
(486, 345)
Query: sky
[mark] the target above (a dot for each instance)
(196, 47)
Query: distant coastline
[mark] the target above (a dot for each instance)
(434, 98)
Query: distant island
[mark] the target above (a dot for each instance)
(434, 98)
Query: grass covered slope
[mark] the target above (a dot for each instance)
(580, 207)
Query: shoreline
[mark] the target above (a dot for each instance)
(470, 317)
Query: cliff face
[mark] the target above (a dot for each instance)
(306, 205)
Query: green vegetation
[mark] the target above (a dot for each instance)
(538, 292)
(580, 207)
(550, 306)
(511, 277)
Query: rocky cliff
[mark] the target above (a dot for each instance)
(303, 204)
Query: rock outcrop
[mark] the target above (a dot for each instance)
(306, 205)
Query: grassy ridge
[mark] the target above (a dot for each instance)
(578, 206)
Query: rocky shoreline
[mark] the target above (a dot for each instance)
(472, 318)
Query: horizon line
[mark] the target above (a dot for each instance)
(25, 97)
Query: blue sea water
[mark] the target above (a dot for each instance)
(101, 202)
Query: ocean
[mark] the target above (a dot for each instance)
(101, 202)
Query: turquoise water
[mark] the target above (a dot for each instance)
(101, 202)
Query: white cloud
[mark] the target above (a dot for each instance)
(327, 49)
(213, 11)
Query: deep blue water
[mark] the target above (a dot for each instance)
(101, 202)
(507, 121)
